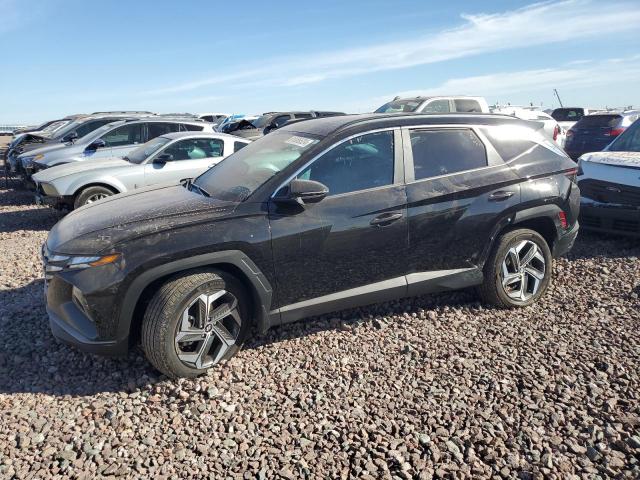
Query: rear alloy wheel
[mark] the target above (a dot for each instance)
(193, 322)
(91, 195)
(518, 272)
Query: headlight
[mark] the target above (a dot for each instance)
(26, 161)
(40, 156)
(56, 263)
(85, 262)
(49, 189)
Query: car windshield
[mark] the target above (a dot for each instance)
(242, 173)
(399, 106)
(143, 152)
(567, 114)
(602, 121)
(629, 141)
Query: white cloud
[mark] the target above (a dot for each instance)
(538, 24)
(500, 86)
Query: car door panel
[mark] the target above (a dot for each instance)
(355, 238)
(443, 210)
(336, 245)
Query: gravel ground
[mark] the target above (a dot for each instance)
(435, 386)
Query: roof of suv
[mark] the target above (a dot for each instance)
(325, 125)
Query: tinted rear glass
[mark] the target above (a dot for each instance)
(567, 114)
(598, 121)
(399, 106)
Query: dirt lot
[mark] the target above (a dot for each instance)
(435, 386)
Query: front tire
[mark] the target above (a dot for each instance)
(518, 272)
(193, 322)
(90, 195)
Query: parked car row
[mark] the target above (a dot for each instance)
(189, 236)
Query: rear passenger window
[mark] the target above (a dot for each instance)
(125, 135)
(509, 142)
(437, 106)
(157, 129)
(466, 105)
(441, 152)
(188, 127)
(358, 164)
(238, 145)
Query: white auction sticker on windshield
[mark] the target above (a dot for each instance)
(300, 141)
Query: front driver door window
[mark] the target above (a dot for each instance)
(356, 236)
(183, 159)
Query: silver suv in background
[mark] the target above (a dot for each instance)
(115, 139)
(72, 130)
(436, 104)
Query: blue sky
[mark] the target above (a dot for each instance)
(62, 56)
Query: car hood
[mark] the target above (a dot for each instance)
(618, 159)
(59, 171)
(48, 148)
(102, 225)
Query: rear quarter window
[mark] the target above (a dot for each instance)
(465, 105)
(191, 128)
(508, 142)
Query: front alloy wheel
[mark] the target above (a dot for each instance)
(194, 321)
(208, 329)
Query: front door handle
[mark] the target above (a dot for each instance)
(501, 195)
(386, 218)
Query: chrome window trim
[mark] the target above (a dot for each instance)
(396, 146)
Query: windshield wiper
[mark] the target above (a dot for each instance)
(189, 185)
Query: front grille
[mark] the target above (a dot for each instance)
(607, 192)
(631, 226)
(590, 221)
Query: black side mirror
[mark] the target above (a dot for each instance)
(70, 137)
(96, 144)
(162, 159)
(302, 192)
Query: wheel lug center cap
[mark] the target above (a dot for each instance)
(208, 327)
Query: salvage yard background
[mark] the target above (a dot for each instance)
(421, 387)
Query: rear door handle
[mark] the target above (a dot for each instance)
(501, 195)
(386, 218)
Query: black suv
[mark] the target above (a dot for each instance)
(316, 217)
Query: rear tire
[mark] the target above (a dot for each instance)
(195, 321)
(90, 195)
(518, 271)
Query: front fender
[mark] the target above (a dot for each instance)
(260, 287)
(77, 183)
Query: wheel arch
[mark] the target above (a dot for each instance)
(233, 262)
(542, 219)
(77, 190)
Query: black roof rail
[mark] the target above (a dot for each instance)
(123, 112)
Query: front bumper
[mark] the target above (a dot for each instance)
(610, 218)
(83, 306)
(62, 329)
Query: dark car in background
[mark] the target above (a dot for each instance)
(592, 133)
(254, 129)
(315, 217)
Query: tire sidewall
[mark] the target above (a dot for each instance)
(173, 315)
(81, 199)
(508, 241)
